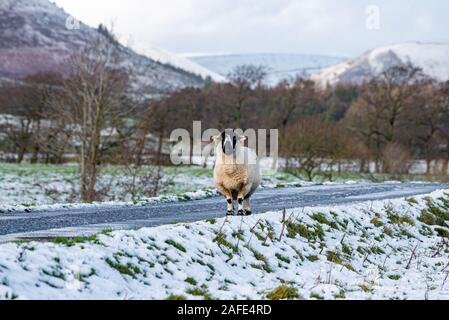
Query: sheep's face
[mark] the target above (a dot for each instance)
(228, 141)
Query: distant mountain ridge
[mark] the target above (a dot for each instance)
(36, 36)
(280, 66)
(432, 58)
(165, 57)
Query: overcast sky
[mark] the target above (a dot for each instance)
(244, 26)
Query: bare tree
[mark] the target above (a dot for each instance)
(142, 178)
(396, 159)
(310, 144)
(25, 104)
(424, 119)
(378, 113)
(442, 100)
(245, 78)
(92, 104)
(293, 97)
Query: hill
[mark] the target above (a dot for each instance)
(279, 66)
(432, 58)
(36, 36)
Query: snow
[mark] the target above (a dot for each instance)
(35, 188)
(165, 57)
(27, 188)
(280, 66)
(27, 192)
(340, 252)
(432, 58)
(330, 75)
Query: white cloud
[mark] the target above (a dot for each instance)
(310, 26)
(424, 23)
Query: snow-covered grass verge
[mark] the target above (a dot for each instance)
(396, 249)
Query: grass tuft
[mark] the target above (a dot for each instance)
(70, 242)
(377, 222)
(316, 296)
(340, 295)
(312, 258)
(128, 269)
(284, 292)
(442, 232)
(282, 258)
(191, 281)
(220, 239)
(175, 297)
(260, 257)
(176, 245)
(334, 257)
(212, 220)
(197, 291)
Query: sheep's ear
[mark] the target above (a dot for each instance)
(215, 138)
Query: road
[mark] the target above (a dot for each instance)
(70, 222)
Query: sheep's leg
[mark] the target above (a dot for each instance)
(241, 211)
(230, 211)
(240, 199)
(247, 207)
(228, 196)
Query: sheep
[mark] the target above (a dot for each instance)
(236, 171)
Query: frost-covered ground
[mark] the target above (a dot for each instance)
(29, 187)
(33, 187)
(394, 249)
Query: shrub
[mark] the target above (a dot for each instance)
(396, 159)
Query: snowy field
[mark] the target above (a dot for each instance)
(26, 187)
(29, 187)
(394, 249)
(36, 185)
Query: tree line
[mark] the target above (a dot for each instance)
(387, 122)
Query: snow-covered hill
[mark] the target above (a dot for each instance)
(432, 58)
(166, 57)
(280, 66)
(38, 36)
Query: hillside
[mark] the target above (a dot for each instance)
(279, 66)
(37, 36)
(165, 57)
(432, 58)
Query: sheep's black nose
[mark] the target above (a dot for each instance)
(228, 149)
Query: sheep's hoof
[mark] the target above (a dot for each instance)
(241, 212)
(248, 212)
(230, 213)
